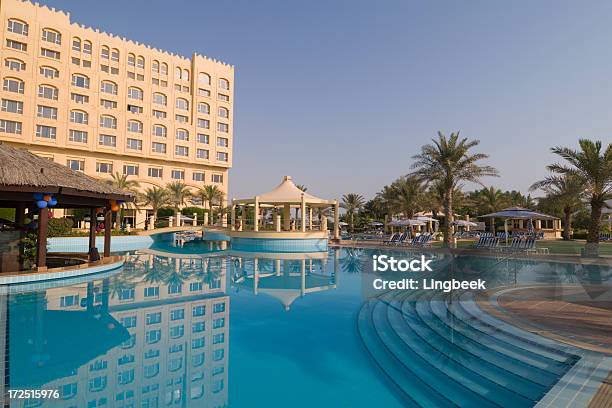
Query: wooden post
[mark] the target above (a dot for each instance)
(92, 231)
(43, 220)
(108, 222)
(19, 214)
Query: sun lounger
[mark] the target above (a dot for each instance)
(392, 239)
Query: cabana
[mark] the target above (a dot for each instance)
(525, 220)
(285, 197)
(37, 185)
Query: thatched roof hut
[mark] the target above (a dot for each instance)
(23, 171)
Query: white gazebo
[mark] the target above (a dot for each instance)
(281, 200)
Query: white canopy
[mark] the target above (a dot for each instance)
(286, 193)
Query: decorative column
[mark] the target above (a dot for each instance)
(41, 256)
(277, 223)
(233, 217)
(256, 218)
(336, 220)
(310, 218)
(303, 212)
(152, 222)
(205, 222)
(303, 276)
(467, 227)
(324, 224)
(108, 220)
(242, 218)
(178, 219)
(255, 274)
(195, 219)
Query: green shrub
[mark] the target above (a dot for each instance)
(59, 227)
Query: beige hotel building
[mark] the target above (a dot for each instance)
(101, 104)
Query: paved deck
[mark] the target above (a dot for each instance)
(603, 398)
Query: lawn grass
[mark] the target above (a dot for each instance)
(557, 246)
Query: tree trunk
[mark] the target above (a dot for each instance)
(492, 225)
(352, 223)
(448, 211)
(592, 246)
(118, 219)
(567, 221)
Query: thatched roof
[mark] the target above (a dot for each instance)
(21, 170)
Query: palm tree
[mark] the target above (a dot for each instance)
(592, 167)
(178, 193)
(408, 195)
(210, 194)
(352, 203)
(121, 182)
(490, 200)
(449, 162)
(154, 197)
(303, 188)
(566, 192)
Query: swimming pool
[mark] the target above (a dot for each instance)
(212, 328)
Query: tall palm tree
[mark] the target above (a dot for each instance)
(154, 197)
(409, 195)
(178, 193)
(121, 182)
(449, 162)
(352, 203)
(490, 200)
(209, 195)
(566, 192)
(303, 188)
(592, 166)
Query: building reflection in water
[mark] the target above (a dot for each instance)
(284, 276)
(156, 334)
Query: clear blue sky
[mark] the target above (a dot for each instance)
(340, 94)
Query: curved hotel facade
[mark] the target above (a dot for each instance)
(102, 104)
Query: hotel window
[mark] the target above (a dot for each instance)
(97, 384)
(222, 156)
(202, 154)
(202, 138)
(160, 131)
(108, 87)
(131, 60)
(164, 68)
(177, 87)
(223, 97)
(219, 308)
(87, 47)
(140, 62)
(153, 318)
(150, 371)
(102, 167)
(177, 314)
(222, 142)
(160, 99)
(198, 327)
(76, 44)
(181, 151)
(115, 55)
(14, 64)
(151, 353)
(9, 126)
(46, 132)
(48, 112)
(134, 126)
(105, 68)
(16, 45)
(182, 104)
(134, 144)
(13, 85)
(177, 73)
(104, 52)
(204, 123)
(77, 116)
(128, 321)
(51, 36)
(198, 176)
(105, 103)
(224, 84)
(204, 108)
(217, 178)
(219, 338)
(155, 172)
(78, 98)
(223, 112)
(178, 174)
(152, 291)
(203, 92)
(107, 140)
(78, 136)
(219, 323)
(76, 164)
(158, 147)
(182, 134)
(203, 78)
(49, 72)
(76, 61)
(222, 127)
(109, 122)
(125, 377)
(199, 310)
(130, 169)
(45, 52)
(135, 93)
(80, 80)
(181, 118)
(197, 343)
(17, 27)
(135, 109)
(11, 106)
(114, 71)
(155, 67)
(69, 301)
(159, 114)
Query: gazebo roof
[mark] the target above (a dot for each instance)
(24, 172)
(287, 193)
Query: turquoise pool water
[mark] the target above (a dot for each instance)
(204, 327)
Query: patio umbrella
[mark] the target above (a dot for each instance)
(464, 223)
(518, 213)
